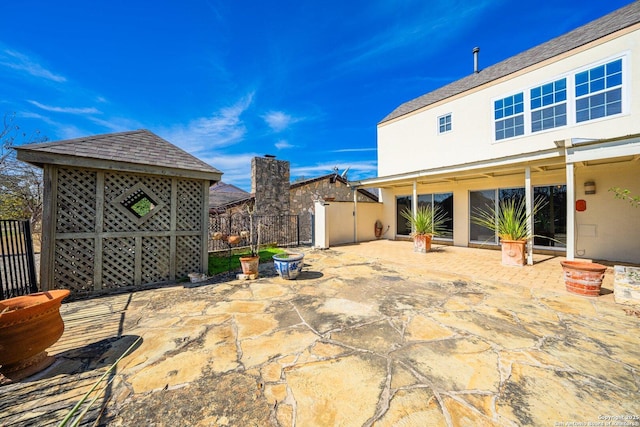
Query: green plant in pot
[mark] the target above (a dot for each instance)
(251, 262)
(510, 221)
(428, 221)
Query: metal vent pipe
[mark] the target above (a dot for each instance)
(476, 50)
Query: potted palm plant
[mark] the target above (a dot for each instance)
(510, 221)
(428, 221)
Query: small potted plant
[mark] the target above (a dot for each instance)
(511, 223)
(251, 262)
(428, 221)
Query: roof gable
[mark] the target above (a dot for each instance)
(124, 150)
(608, 24)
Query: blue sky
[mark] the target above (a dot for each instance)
(230, 80)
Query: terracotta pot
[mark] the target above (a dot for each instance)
(422, 243)
(378, 229)
(250, 264)
(288, 266)
(234, 240)
(29, 324)
(583, 278)
(513, 252)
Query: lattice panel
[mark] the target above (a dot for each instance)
(76, 201)
(155, 259)
(74, 265)
(117, 184)
(188, 255)
(118, 262)
(189, 212)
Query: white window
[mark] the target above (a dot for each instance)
(549, 105)
(599, 91)
(444, 123)
(509, 116)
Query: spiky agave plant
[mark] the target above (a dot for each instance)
(510, 221)
(427, 220)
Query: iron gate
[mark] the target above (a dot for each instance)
(17, 262)
(277, 230)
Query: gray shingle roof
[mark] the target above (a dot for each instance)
(594, 30)
(222, 194)
(139, 147)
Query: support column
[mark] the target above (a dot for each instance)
(355, 214)
(571, 213)
(321, 231)
(528, 198)
(414, 200)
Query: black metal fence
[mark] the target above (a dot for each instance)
(17, 262)
(276, 230)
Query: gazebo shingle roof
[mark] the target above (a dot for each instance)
(608, 24)
(139, 147)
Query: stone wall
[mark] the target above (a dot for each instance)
(303, 195)
(270, 185)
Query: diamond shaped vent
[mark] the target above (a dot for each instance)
(139, 203)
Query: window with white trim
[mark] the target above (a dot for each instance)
(549, 105)
(599, 91)
(444, 123)
(588, 93)
(509, 116)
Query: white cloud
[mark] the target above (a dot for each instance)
(357, 169)
(67, 110)
(278, 120)
(223, 128)
(282, 144)
(236, 168)
(117, 124)
(433, 21)
(21, 62)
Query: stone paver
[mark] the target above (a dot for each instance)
(357, 340)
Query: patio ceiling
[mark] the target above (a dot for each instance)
(580, 152)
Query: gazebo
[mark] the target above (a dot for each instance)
(120, 210)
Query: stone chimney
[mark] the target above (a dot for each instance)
(270, 185)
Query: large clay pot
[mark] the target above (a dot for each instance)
(422, 243)
(513, 252)
(29, 324)
(288, 266)
(583, 278)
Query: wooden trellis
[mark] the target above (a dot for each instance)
(98, 245)
(106, 229)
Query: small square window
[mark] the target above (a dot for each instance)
(444, 123)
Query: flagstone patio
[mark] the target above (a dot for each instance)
(369, 334)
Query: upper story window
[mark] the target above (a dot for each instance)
(509, 116)
(595, 91)
(549, 105)
(599, 91)
(444, 123)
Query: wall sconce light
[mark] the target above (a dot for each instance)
(589, 187)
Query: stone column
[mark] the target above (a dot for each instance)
(270, 185)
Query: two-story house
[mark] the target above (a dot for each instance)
(559, 122)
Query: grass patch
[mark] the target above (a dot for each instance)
(220, 263)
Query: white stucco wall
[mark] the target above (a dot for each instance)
(413, 143)
(609, 228)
